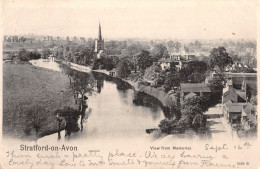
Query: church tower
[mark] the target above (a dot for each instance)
(99, 43)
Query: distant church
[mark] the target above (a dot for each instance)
(100, 51)
(99, 44)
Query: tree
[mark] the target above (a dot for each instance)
(194, 72)
(71, 118)
(167, 126)
(144, 59)
(192, 112)
(108, 63)
(219, 56)
(82, 84)
(172, 79)
(23, 55)
(80, 54)
(96, 64)
(35, 54)
(123, 68)
(199, 66)
(22, 39)
(159, 51)
(195, 105)
(216, 86)
(46, 53)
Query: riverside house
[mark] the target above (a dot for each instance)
(234, 103)
(188, 90)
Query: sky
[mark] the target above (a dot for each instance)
(164, 19)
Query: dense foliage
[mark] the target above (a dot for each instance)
(159, 51)
(24, 55)
(46, 52)
(71, 117)
(144, 59)
(219, 56)
(123, 68)
(191, 117)
(216, 87)
(79, 54)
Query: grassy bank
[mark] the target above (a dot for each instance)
(32, 94)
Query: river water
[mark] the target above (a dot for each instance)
(116, 110)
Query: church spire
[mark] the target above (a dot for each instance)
(99, 33)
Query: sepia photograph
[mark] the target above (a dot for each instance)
(173, 80)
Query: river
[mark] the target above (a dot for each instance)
(116, 110)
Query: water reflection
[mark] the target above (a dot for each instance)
(117, 109)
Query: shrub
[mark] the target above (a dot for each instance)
(171, 126)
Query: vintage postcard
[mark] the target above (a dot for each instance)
(121, 84)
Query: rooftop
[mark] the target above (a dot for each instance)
(166, 60)
(194, 87)
(217, 69)
(235, 108)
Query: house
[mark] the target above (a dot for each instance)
(213, 74)
(113, 72)
(234, 95)
(233, 112)
(240, 112)
(235, 106)
(186, 57)
(190, 57)
(180, 64)
(237, 67)
(166, 63)
(188, 90)
(181, 58)
(177, 61)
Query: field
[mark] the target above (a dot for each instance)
(30, 96)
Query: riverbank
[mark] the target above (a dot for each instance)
(166, 99)
(32, 94)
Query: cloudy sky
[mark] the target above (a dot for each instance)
(132, 19)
